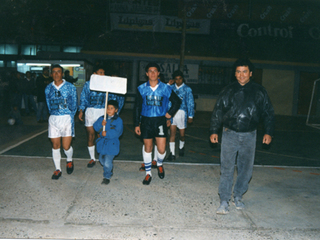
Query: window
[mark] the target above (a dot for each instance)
(7, 49)
(28, 50)
(72, 49)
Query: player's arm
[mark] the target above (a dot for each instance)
(137, 113)
(175, 101)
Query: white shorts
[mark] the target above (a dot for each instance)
(179, 119)
(60, 126)
(92, 115)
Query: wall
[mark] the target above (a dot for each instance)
(280, 87)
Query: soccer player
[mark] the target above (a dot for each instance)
(184, 114)
(152, 116)
(61, 97)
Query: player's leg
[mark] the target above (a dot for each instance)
(56, 156)
(172, 143)
(91, 147)
(181, 142)
(147, 159)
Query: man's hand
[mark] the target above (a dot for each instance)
(137, 130)
(267, 139)
(168, 116)
(104, 133)
(171, 81)
(168, 122)
(80, 116)
(214, 138)
(190, 120)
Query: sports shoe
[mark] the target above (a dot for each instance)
(223, 208)
(91, 163)
(181, 152)
(238, 203)
(105, 181)
(142, 168)
(171, 157)
(161, 172)
(147, 180)
(153, 165)
(56, 174)
(69, 167)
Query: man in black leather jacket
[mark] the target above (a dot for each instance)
(239, 108)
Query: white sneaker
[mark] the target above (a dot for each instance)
(224, 208)
(238, 203)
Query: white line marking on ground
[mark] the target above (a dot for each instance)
(23, 141)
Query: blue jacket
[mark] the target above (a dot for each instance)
(110, 144)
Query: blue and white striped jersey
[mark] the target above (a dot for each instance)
(187, 101)
(96, 99)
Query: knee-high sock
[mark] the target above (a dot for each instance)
(160, 158)
(56, 155)
(155, 153)
(91, 152)
(147, 158)
(69, 153)
(172, 146)
(181, 144)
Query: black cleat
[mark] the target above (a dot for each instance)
(153, 165)
(69, 167)
(91, 163)
(147, 180)
(181, 152)
(171, 157)
(161, 172)
(56, 174)
(105, 181)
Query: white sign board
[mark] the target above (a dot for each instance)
(108, 84)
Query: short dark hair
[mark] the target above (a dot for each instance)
(113, 103)
(152, 64)
(97, 67)
(243, 62)
(56, 66)
(177, 73)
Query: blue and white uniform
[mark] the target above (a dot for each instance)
(62, 105)
(154, 102)
(187, 102)
(94, 103)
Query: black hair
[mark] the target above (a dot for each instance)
(56, 66)
(243, 62)
(177, 73)
(113, 103)
(152, 64)
(97, 67)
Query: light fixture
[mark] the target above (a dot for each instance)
(70, 65)
(38, 64)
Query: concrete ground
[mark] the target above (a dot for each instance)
(282, 201)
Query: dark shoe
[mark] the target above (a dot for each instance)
(161, 172)
(147, 180)
(56, 174)
(154, 164)
(142, 168)
(181, 152)
(69, 167)
(91, 163)
(105, 181)
(171, 157)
